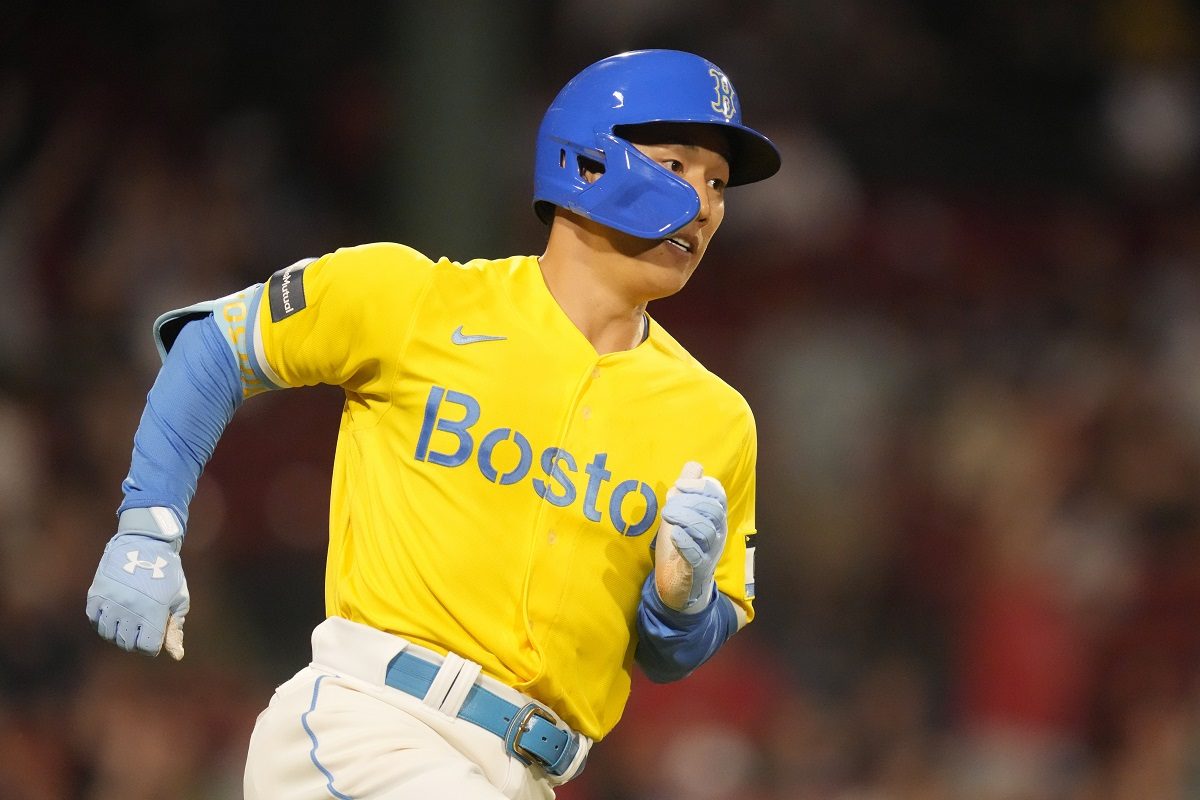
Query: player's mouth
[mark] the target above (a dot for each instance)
(685, 244)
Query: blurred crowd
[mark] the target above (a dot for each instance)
(966, 313)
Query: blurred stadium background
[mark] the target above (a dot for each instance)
(967, 314)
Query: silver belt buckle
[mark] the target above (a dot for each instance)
(520, 726)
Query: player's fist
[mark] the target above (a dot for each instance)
(691, 537)
(139, 597)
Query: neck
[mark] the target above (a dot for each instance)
(585, 278)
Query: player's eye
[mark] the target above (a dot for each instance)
(718, 184)
(673, 164)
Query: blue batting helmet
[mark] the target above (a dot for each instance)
(636, 195)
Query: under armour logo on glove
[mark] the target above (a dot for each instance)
(155, 567)
(139, 597)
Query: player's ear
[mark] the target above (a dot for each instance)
(589, 169)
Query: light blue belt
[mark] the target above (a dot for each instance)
(529, 732)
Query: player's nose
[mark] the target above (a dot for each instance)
(703, 190)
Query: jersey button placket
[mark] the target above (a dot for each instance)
(585, 412)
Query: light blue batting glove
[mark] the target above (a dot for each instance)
(139, 597)
(691, 538)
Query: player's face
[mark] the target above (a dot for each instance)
(702, 164)
(698, 155)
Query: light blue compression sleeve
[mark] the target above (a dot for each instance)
(195, 395)
(671, 644)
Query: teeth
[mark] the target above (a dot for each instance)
(680, 244)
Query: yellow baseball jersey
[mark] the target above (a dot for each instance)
(497, 484)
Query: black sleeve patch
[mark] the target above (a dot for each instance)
(285, 290)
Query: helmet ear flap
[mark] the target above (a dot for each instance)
(566, 178)
(639, 196)
(633, 194)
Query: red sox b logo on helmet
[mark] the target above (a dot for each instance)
(724, 104)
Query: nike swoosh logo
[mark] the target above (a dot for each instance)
(458, 337)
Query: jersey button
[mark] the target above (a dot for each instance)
(595, 373)
(586, 412)
(551, 537)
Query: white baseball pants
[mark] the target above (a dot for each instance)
(336, 731)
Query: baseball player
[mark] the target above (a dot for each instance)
(534, 487)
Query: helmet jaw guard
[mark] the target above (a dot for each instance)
(635, 195)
